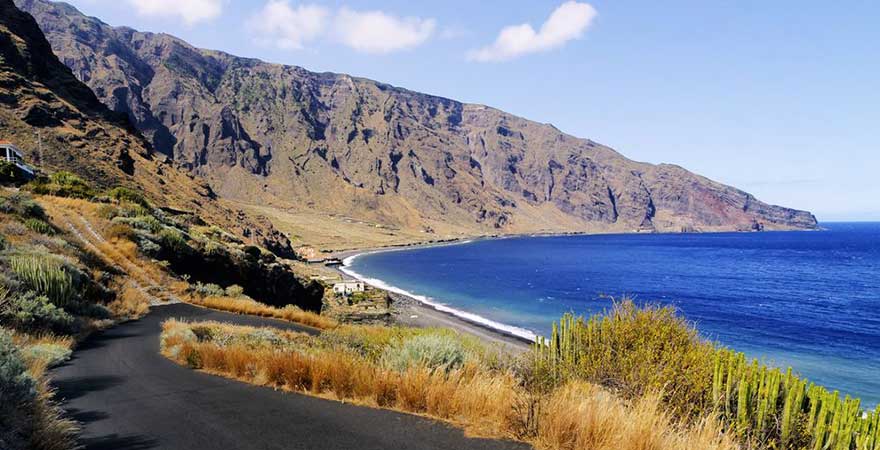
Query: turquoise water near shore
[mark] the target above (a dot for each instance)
(806, 299)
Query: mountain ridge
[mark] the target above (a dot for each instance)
(57, 119)
(294, 139)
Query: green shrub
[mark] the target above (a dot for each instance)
(108, 212)
(635, 350)
(133, 210)
(172, 240)
(22, 205)
(39, 226)
(209, 290)
(632, 351)
(120, 230)
(63, 184)
(234, 291)
(146, 223)
(9, 173)
(434, 351)
(18, 393)
(48, 275)
(92, 310)
(32, 312)
(126, 195)
(49, 354)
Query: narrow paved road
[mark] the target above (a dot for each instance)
(130, 397)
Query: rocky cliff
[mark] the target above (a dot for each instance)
(61, 124)
(284, 136)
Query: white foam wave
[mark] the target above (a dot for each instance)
(467, 316)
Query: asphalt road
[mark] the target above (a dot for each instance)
(127, 396)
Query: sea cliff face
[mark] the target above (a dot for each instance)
(284, 136)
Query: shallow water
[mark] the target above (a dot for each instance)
(806, 299)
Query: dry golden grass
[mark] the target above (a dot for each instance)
(579, 415)
(247, 306)
(484, 402)
(130, 303)
(25, 340)
(52, 430)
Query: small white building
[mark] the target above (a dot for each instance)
(346, 288)
(12, 154)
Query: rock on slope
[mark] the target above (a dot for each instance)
(41, 102)
(284, 136)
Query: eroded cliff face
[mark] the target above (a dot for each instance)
(42, 105)
(283, 136)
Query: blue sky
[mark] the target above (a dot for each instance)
(780, 98)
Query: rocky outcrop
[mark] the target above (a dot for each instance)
(284, 136)
(61, 124)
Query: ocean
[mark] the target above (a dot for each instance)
(810, 300)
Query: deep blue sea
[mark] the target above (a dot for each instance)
(810, 300)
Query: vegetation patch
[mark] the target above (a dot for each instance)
(632, 350)
(245, 305)
(463, 383)
(62, 184)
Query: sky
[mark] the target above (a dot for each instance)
(779, 98)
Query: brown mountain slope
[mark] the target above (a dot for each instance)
(283, 136)
(41, 100)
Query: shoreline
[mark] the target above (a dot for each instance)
(410, 309)
(416, 310)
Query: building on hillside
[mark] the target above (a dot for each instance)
(347, 288)
(13, 155)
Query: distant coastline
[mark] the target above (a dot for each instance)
(416, 305)
(463, 320)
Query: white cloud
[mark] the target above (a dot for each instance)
(286, 27)
(378, 32)
(191, 11)
(282, 25)
(569, 21)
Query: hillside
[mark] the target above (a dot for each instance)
(298, 141)
(43, 105)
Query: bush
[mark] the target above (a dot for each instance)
(146, 223)
(48, 275)
(9, 173)
(210, 290)
(48, 354)
(172, 240)
(637, 351)
(123, 194)
(119, 230)
(108, 212)
(22, 205)
(632, 351)
(39, 226)
(432, 351)
(32, 312)
(18, 393)
(133, 210)
(234, 291)
(63, 184)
